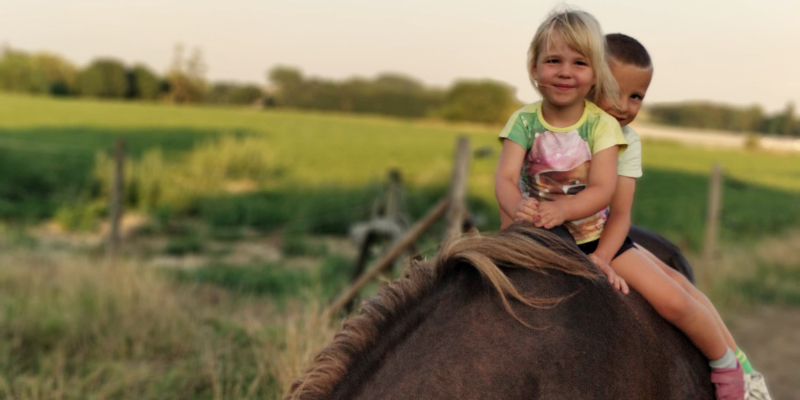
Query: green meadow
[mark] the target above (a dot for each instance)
(217, 182)
(320, 172)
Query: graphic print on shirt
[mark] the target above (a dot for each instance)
(557, 166)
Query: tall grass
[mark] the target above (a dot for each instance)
(76, 328)
(766, 272)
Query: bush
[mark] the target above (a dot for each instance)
(104, 78)
(479, 101)
(231, 93)
(143, 83)
(18, 73)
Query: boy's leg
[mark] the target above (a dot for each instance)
(694, 292)
(672, 302)
(757, 387)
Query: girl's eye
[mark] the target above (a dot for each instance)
(636, 97)
(581, 63)
(551, 61)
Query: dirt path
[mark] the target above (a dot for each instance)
(712, 138)
(771, 338)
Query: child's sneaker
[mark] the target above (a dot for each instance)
(756, 386)
(729, 383)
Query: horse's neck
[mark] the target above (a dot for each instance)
(449, 335)
(458, 342)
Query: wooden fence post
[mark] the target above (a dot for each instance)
(393, 196)
(712, 221)
(458, 189)
(114, 240)
(390, 256)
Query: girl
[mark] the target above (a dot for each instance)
(558, 166)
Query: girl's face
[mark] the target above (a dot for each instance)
(563, 75)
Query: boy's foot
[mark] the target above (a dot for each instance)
(729, 383)
(756, 386)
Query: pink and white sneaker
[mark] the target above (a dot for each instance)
(729, 383)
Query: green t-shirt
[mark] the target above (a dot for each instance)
(558, 159)
(629, 162)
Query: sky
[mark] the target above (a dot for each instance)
(727, 51)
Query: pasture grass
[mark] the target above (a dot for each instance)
(75, 327)
(72, 327)
(766, 272)
(322, 171)
(269, 169)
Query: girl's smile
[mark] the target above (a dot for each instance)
(563, 75)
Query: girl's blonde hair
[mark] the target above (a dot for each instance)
(580, 31)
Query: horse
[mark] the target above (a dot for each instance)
(521, 314)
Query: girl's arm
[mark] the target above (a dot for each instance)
(589, 201)
(619, 220)
(506, 186)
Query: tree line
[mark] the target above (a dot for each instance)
(485, 101)
(729, 118)
(107, 78)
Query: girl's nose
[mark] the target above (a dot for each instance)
(623, 105)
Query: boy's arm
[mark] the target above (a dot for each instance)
(589, 201)
(506, 186)
(619, 220)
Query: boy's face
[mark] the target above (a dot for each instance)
(633, 82)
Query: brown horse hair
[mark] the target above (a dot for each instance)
(518, 246)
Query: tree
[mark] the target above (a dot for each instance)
(484, 101)
(186, 77)
(104, 78)
(788, 119)
(19, 74)
(288, 83)
(143, 83)
(60, 75)
(231, 93)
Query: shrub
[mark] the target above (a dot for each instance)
(484, 101)
(104, 78)
(143, 83)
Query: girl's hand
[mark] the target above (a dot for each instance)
(614, 279)
(551, 214)
(527, 210)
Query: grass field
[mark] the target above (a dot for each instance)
(306, 166)
(73, 328)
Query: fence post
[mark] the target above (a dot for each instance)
(458, 189)
(712, 221)
(387, 259)
(393, 196)
(117, 187)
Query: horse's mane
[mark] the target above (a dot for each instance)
(518, 246)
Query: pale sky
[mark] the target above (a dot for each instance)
(732, 51)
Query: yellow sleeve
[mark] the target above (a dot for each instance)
(608, 133)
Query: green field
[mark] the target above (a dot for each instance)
(304, 168)
(73, 328)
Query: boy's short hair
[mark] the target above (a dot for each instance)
(627, 50)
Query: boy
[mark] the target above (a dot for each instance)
(631, 66)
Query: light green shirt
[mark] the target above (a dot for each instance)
(558, 159)
(630, 160)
